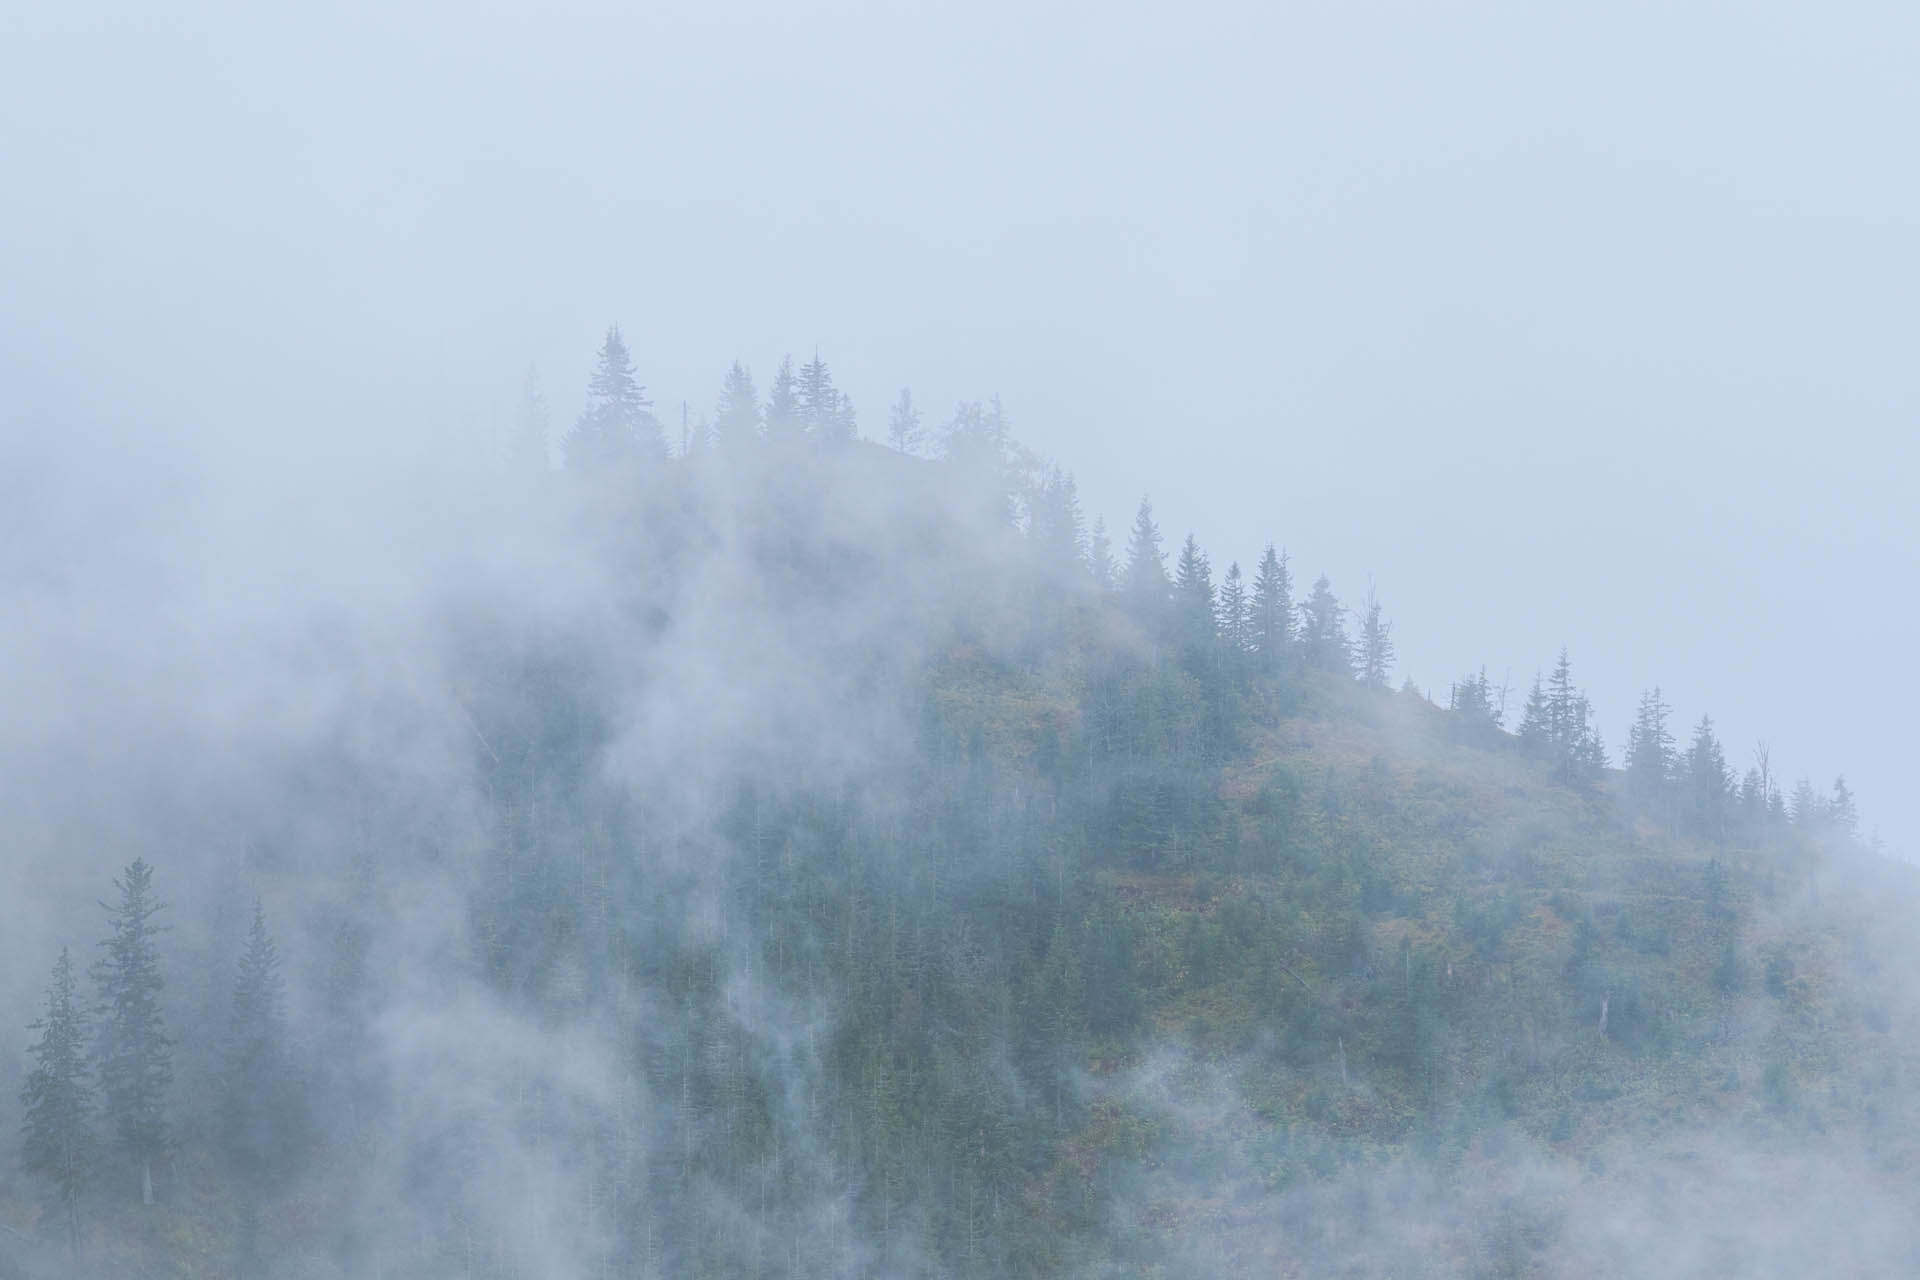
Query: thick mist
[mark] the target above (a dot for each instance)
(406, 698)
(1617, 303)
(1583, 331)
(313, 690)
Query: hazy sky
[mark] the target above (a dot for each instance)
(1595, 328)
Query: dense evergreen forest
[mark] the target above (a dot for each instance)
(781, 852)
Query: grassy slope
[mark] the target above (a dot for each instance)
(1393, 976)
(1371, 1031)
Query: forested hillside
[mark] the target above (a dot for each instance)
(787, 854)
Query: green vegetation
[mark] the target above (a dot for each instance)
(1144, 910)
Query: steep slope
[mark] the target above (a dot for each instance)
(1414, 1007)
(788, 862)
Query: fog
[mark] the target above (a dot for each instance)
(1584, 330)
(1568, 329)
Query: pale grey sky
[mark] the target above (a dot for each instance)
(1588, 324)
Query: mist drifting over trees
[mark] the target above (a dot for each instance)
(994, 642)
(790, 853)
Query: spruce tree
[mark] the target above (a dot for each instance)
(57, 1138)
(617, 428)
(1272, 617)
(1808, 809)
(1323, 632)
(1054, 523)
(1753, 798)
(1193, 596)
(1708, 782)
(736, 419)
(258, 1106)
(976, 444)
(1236, 621)
(784, 419)
(903, 424)
(1146, 585)
(1559, 727)
(976, 438)
(817, 394)
(823, 411)
(1100, 556)
(1471, 699)
(1841, 813)
(1376, 645)
(843, 427)
(1768, 794)
(1536, 734)
(1650, 748)
(261, 1125)
(133, 1053)
(1589, 748)
(1112, 982)
(1071, 524)
(1562, 705)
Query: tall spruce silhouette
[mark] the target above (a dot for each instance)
(57, 1139)
(133, 1052)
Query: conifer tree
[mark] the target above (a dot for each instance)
(133, 1053)
(1071, 522)
(976, 438)
(784, 418)
(736, 419)
(1841, 814)
(261, 1124)
(1054, 522)
(57, 1138)
(975, 444)
(1808, 809)
(258, 1105)
(843, 426)
(1760, 801)
(903, 424)
(1236, 622)
(1707, 782)
(1558, 727)
(1753, 802)
(824, 412)
(527, 447)
(1471, 698)
(817, 394)
(617, 428)
(1112, 985)
(1589, 748)
(1272, 615)
(1194, 606)
(1100, 556)
(1562, 704)
(1650, 747)
(1768, 795)
(1536, 734)
(1376, 645)
(1146, 585)
(1323, 632)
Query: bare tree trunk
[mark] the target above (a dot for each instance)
(146, 1182)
